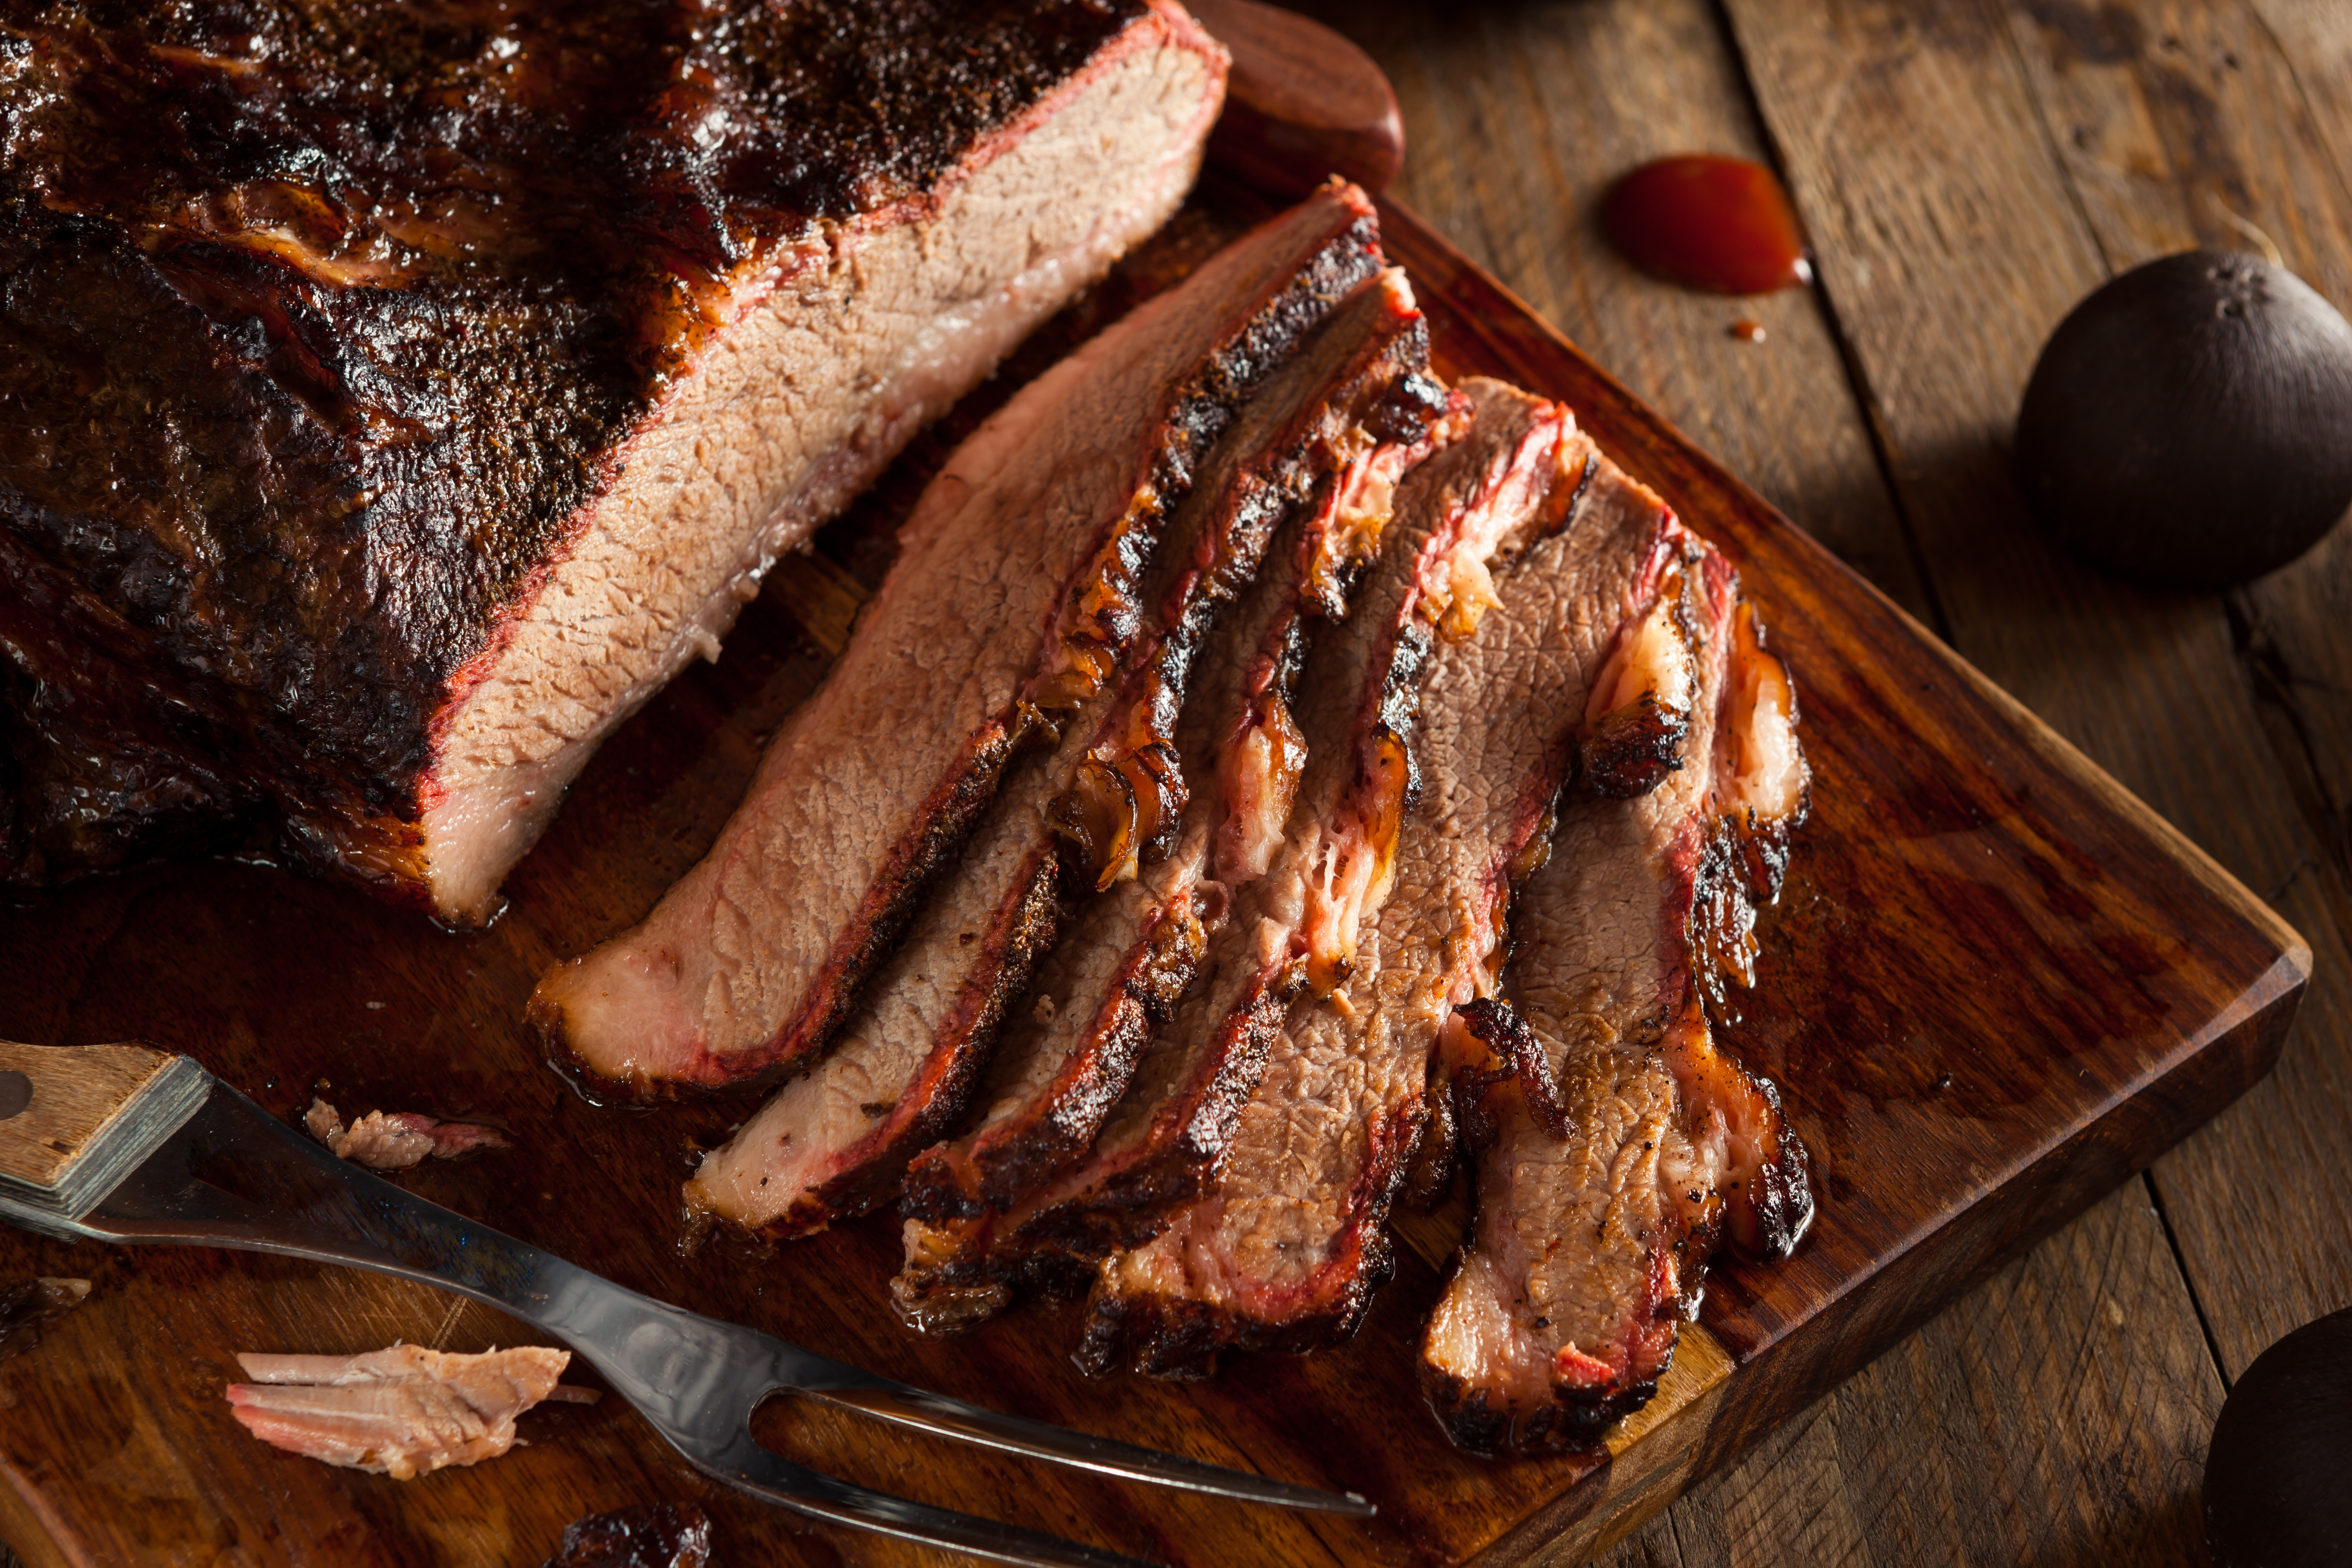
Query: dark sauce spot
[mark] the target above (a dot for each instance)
(1722, 224)
(651, 1535)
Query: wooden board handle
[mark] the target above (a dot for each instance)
(1302, 102)
(77, 1117)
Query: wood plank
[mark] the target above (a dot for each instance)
(1749, 1307)
(1949, 241)
(1517, 117)
(2176, 125)
(1654, 1545)
(2037, 1420)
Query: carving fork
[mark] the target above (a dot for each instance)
(126, 1144)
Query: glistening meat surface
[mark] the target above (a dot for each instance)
(906, 1061)
(1135, 948)
(1012, 599)
(1613, 1135)
(1356, 705)
(444, 379)
(1109, 988)
(1286, 1253)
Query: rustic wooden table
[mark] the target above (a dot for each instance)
(1967, 170)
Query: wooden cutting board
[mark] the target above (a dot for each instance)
(1995, 986)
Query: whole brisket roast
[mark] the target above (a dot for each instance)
(396, 396)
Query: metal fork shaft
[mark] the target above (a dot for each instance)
(926, 1411)
(695, 1379)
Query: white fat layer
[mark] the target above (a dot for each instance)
(1761, 771)
(1656, 660)
(1262, 776)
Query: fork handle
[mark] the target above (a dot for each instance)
(74, 1119)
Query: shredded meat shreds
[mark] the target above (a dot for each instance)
(395, 1140)
(404, 1412)
(650, 1535)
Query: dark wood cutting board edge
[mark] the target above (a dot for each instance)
(2090, 936)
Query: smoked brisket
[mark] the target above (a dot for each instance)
(1012, 604)
(1614, 1139)
(1286, 1253)
(907, 1061)
(395, 397)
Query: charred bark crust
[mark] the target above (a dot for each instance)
(1575, 1421)
(319, 327)
(1629, 751)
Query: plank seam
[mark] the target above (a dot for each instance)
(2188, 1278)
(2007, 22)
(1849, 358)
(1675, 1530)
(2274, 695)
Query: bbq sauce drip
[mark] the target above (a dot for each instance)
(1722, 224)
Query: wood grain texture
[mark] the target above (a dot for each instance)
(75, 1094)
(2081, 1047)
(1665, 74)
(1971, 1441)
(1910, 1286)
(1519, 117)
(2109, 994)
(2182, 125)
(1972, 172)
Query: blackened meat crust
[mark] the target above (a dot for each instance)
(319, 326)
(1631, 751)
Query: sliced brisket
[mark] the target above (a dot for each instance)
(1012, 603)
(1360, 387)
(1615, 1136)
(1286, 1253)
(968, 1237)
(1355, 704)
(395, 397)
(797, 1167)
(1108, 989)
(833, 1142)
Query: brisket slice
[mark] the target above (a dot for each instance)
(832, 1142)
(795, 1167)
(1102, 995)
(1616, 1139)
(1286, 1253)
(396, 397)
(1012, 602)
(1111, 987)
(1356, 705)
(1118, 978)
